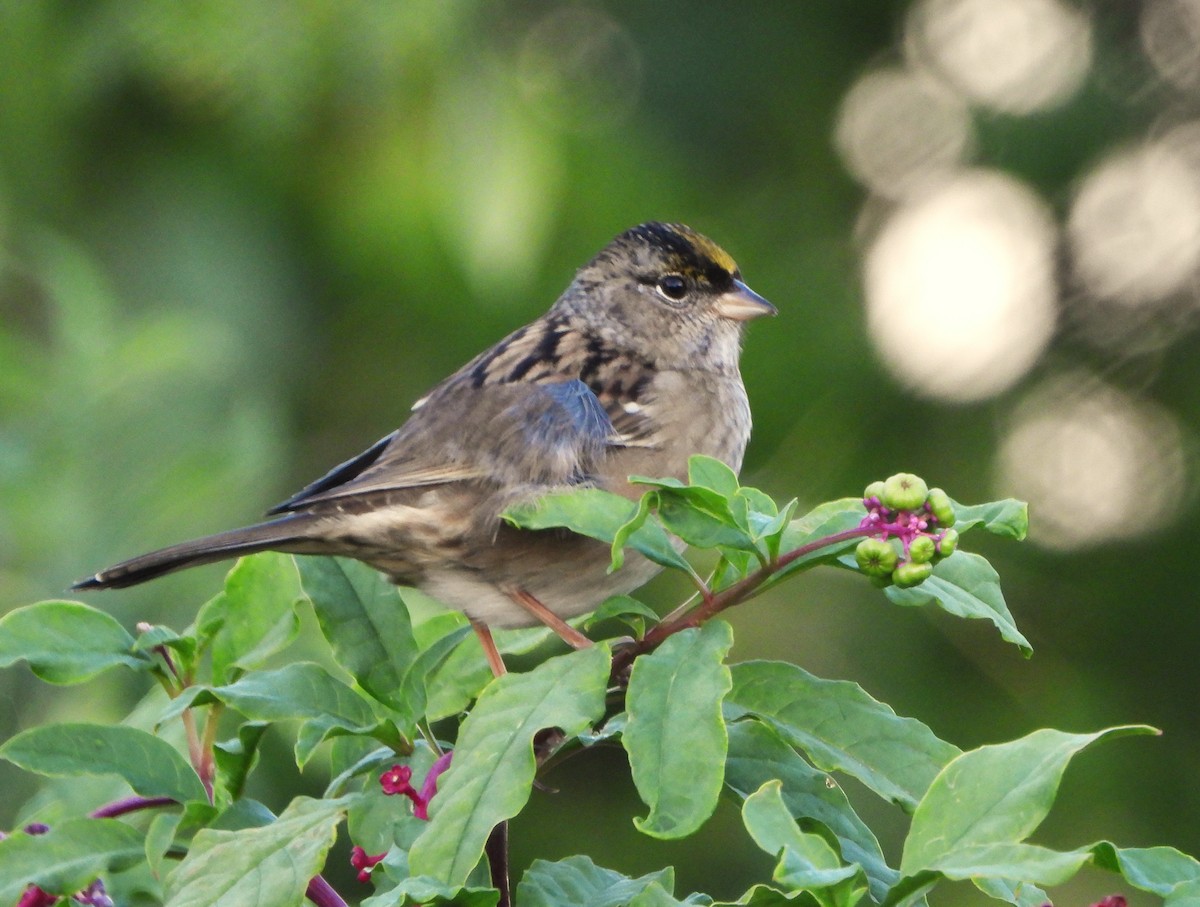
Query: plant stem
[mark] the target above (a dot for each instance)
(322, 894)
(496, 850)
(205, 768)
(713, 603)
(129, 805)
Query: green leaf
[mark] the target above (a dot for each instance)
(600, 515)
(654, 895)
(712, 473)
(414, 685)
(807, 861)
(702, 518)
(819, 523)
(68, 857)
(493, 769)
(1008, 518)
(770, 529)
(579, 882)
(268, 866)
(365, 620)
(160, 834)
(626, 609)
(1027, 862)
(965, 585)
(422, 891)
(675, 735)
(66, 642)
(841, 728)
(151, 766)
(159, 636)
(1185, 895)
(1018, 893)
(1159, 870)
(461, 674)
(255, 616)
(301, 691)
(757, 755)
(236, 758)
(765, 896)
(996, 794)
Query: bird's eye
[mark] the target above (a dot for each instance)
(672, 287)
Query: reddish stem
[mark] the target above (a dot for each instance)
(322, 894)
(713, 604)
(130, 805)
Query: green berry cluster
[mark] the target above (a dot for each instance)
(910, 530)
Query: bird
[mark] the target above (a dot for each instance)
(633, 369)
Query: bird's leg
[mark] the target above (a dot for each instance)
(569, 634)
(495, 662)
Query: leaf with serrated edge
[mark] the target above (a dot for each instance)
(274, 862)
(148, 764)
(996, 794)
(965, 585)
(841, 728)
(675, 735)
(492, 773)
(66, 642)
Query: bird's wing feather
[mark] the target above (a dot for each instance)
(547, 433)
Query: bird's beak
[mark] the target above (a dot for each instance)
(742, 303)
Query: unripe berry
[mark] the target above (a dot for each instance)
(875, 557)
(921, 549)
(947, 543)
(940, 507)
(904, 491)
(874, 490)
(910, 574)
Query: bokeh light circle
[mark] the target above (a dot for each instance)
(1096, 464)
(1015, 56)
(1134, 225)
(898, 127)
(580, 66)
(961, 295)
(1170, 33)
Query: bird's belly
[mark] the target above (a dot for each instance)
(568, 586)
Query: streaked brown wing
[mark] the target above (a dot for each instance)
(550, 433)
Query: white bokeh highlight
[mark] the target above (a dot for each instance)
(960, 287)
(1170, 33)
(1134, 225)
(1014, 56)
(1096, 464)
(898, 128)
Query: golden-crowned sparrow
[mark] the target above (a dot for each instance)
(632, 370)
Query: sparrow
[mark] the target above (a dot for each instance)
(631, 371)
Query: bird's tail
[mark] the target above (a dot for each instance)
(288, 533)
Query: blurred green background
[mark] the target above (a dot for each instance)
(238, 240)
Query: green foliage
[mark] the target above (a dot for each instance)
(400, 705)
